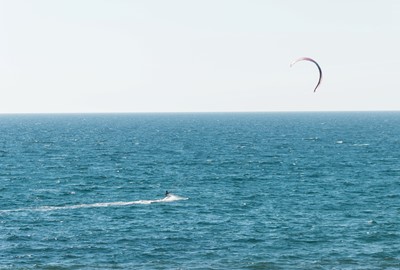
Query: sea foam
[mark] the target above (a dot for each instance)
(167, 199)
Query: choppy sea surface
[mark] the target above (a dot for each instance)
(248, 191)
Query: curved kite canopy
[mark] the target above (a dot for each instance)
(311, 60)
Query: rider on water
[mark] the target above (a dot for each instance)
(166, 193)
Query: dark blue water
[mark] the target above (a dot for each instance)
(250, 191)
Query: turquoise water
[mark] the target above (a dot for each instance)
(249, 191)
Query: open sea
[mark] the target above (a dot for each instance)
(248, 191)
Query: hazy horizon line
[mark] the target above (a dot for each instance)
(196, 112)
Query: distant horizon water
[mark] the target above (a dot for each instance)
(200, 112)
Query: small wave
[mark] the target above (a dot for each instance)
(311, 139)
(169, 198)
(361, 144)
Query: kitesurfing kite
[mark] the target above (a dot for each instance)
(311, 60)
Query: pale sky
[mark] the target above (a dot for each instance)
(198, 56)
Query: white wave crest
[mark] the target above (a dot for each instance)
(361, 144)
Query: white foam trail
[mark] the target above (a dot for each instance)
(169, 198)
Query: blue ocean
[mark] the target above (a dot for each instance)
(246, 191)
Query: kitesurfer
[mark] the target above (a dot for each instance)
(166, 193)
